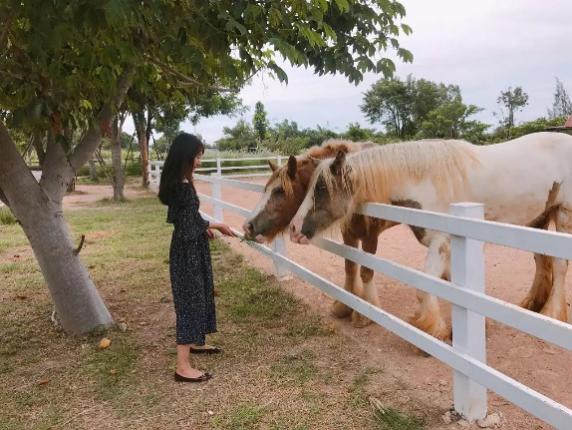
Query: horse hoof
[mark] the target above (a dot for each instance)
(435, 327)
(531, 304)
(359, 321)
(340, 310)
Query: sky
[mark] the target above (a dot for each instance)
(483, 46)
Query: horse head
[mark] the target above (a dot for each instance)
(283, 195)
(328, 200)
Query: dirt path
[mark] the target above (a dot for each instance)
(540, 365)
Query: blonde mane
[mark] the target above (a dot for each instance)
(374, 174)
(329, 148)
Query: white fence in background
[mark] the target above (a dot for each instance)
(466, 291)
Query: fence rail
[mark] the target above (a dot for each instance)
(470, 303)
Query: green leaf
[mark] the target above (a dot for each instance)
(280, 74)
(343, 5)
(405, 55)
(406, 29)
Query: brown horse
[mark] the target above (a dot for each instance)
(284, 193)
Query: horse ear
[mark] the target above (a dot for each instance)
(272, 165)
(315, 161)
(292, 166)
(338, 163)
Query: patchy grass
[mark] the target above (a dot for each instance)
(282, 367)
(243, 417)
(388, 418)
(6, 216)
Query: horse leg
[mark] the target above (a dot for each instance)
(369, 244)
(340, 309)
(428, 317)
(556, 306)
(541, 286)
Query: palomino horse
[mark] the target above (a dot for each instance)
(284, 193)
(512, 180)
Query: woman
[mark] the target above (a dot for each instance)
(189, 256)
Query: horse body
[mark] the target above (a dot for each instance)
(514, 177)
(511, 179)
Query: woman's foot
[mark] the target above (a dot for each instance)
(204, 377)
(188, 371)
(204, 349)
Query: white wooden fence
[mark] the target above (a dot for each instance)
(466, 292)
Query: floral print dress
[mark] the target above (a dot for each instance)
(191, 268)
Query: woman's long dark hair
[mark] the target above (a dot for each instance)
(181, 156)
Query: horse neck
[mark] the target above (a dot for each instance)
(369, 182)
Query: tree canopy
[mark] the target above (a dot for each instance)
(419, 108)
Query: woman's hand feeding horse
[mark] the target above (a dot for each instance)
(511, 179)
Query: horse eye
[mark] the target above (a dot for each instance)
(278, 191)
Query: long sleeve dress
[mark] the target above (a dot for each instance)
(190, 268)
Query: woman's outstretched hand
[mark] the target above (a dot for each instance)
(224, 229)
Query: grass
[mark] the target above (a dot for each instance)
(283, 366)
(6, 216)
(388, 418)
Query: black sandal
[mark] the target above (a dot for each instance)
(212, 350)
(204, 377)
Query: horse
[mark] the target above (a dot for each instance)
(511, 179)
(284, 192)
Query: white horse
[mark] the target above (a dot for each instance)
(512, 179)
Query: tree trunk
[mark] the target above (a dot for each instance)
(38, 207)
(118, 176)
(93, 170)
(78, 304)
(141, 129)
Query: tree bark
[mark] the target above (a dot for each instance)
(39, 210)
(38, 207)
(141, 129)
(92, 170)
(118, 176)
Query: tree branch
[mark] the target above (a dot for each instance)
(39, 147)
(184, 79)
(5, 30)
(15, 177)
(91, 140)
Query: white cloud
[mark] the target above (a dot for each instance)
(482, 46)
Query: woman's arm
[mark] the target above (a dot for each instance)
(223, 228)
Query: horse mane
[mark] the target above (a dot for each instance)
(328, 149)
(374, 174)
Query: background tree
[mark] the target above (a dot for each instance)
(260, 122)
(390, 102)
(357, 133)
(418, 108)
(562, 106)
(513, 101)
(66, 68)
(241, 137)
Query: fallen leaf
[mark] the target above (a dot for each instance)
(112, 371)
(43, 381)
(104, 343)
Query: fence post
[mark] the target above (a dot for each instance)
(468, 271)
(217, 193)
(279, 160)
(278, 245)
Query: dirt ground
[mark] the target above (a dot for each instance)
(533, 362)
